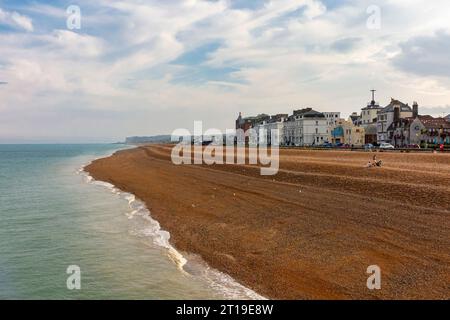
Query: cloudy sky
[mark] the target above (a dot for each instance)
(148, 67)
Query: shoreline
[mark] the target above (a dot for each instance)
(161, 238)
(186, 201)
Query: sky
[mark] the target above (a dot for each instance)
(150, 67)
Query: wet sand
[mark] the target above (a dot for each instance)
(311, 231)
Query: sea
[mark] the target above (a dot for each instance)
(64, 235)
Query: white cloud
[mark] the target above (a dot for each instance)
(285, 54)
(16, 20)
(75, 44)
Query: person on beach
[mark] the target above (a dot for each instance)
(374, 163)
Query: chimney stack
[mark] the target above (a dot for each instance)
(396, 113)
(415, 110)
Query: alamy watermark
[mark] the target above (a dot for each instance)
(374, 20)
(74, 17)
(374, 280)
(74, 279)
(234, 147)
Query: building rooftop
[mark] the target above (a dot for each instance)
(306, 113)
(428, 121)
(313, 114)
(373, 105)
(435, 123)
(278, 117)
(393, 103)
(302, 111)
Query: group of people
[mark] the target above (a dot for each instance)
(375, 162)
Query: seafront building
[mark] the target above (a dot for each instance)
(347, 133)
(421, 130)
(397, 123)
(394, 111)
(370, 136)
(306, 127)
(250, 122)
(265, 128)
(355, 118)
(332, 118)
(369, 118)
(369, 114)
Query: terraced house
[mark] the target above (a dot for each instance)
(274, 124)
(306, 127)
(347, 133)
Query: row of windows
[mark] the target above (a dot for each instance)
(299, 132)
(299, 140)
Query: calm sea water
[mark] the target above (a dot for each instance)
(52, 217)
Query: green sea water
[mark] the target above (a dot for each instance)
(53, 216)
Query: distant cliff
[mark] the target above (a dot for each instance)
(151, 139)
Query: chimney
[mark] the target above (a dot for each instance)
(396, 113)
(415, 110)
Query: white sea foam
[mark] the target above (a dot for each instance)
(228, 286)
(150, 228)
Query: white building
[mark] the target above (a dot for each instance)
(306, 127)
(332, 121)
(369, 114)
(332, 118)
(275, 124)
